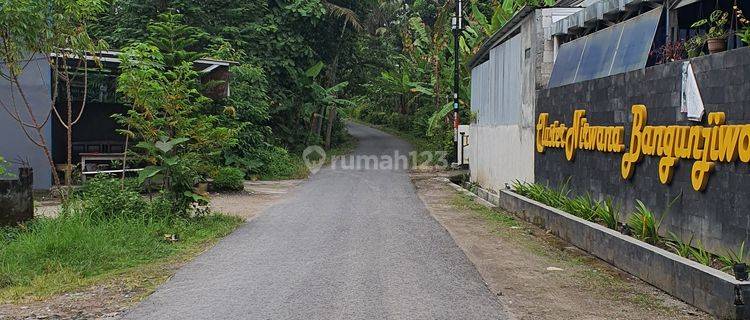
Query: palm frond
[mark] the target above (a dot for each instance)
(350, 17)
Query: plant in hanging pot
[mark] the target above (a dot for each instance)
(716, 37)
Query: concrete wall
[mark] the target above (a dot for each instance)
(13, 143)
(500, 134)
(504, 98)
(718, 215)
(17, 198)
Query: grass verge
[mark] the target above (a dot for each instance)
(53, 255)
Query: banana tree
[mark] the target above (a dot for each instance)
(400, 83)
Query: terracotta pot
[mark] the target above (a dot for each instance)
(717, 45)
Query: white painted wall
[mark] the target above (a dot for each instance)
(499, 139)
(500, 155)
(503, 96)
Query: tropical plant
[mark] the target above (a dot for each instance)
(276, 39)
(104, 198)
(581, 206)
(716, 22)
(171, 171)
(175, 138)
(500, 14)
(176, 41)
(3, 166)
(733, 258)
(701, 255)
(695, 45)
(742, 32)
(557, 198)
(644, 225)
(607, 214)
(399, 83)
(679, 247)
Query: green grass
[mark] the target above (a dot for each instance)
(49, 256)
(466, 202)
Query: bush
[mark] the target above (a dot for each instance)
(229, 178)
(102, 228)
(103, 198)
(644, 225)
(359, 112)
(279, 164)
(399, 122)
(379, 118)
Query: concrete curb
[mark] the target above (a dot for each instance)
(708, 289)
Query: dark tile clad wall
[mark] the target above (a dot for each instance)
(718, 216)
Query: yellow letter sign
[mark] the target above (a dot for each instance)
(706, 145)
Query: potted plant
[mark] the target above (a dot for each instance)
(716, 37)
(744, 32)
(694, 46)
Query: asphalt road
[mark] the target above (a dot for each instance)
(347, 244)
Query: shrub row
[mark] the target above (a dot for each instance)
(642, 224)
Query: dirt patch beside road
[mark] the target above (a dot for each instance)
(257, 196)
(536, 275)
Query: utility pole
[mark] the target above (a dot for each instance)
(457, 26)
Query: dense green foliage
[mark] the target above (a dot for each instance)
(406, 64)
(102, 229)
(176, 137)
(276, 42)
(389, 62)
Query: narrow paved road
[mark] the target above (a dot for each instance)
(348, 244)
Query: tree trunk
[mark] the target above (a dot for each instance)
(69, 134)
(402, 104)
(331, 119)
(436, 87)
